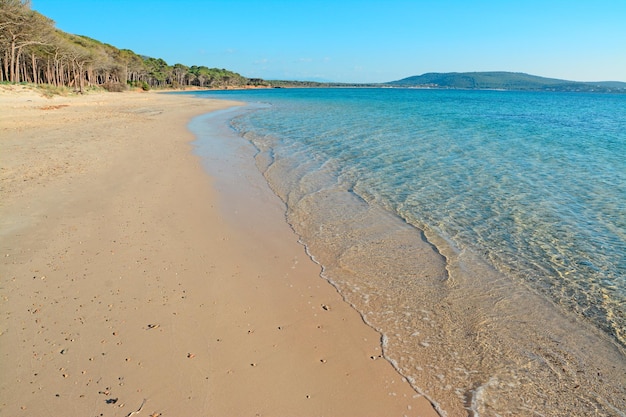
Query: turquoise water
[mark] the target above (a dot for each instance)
(483, 233)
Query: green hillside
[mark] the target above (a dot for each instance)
(504, 81)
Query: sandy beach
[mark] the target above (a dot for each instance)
(131, 287)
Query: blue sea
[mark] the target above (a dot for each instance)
(482, 233)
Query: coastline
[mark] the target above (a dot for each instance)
(128, 288)
(476, 338)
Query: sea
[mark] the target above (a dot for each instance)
(481, 233)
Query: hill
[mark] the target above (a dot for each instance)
(503, 81)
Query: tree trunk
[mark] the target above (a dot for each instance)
(57, 69)
(12, 63)
(34, 65)
(16, 70)
(90, 77)
(60, 74)
(24, 75)
(5, 63)
(48, 78)
(80, 77)
(74, 81)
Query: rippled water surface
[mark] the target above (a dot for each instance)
(483, 233)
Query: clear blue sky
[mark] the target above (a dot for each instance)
(362, 40)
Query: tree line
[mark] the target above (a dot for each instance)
(32, 50)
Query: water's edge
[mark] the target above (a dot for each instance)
(451, 335)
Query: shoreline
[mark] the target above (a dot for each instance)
(127, 288)
(493, 340)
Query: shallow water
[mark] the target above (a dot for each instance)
(482, 233)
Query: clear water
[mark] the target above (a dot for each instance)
(483, 233)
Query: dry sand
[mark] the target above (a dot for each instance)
(128, 289)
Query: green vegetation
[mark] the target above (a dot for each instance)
(315, 84)
(32, 50)
(49, 90)
(503, 81)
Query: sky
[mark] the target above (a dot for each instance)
(361, 41)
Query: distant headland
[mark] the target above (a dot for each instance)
(495, 80)
(501, 80)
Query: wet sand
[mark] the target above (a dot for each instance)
(129, 287)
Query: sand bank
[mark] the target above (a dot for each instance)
(127, 289)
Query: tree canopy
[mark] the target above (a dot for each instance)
(33, 50)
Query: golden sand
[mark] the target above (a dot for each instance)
(128, 291)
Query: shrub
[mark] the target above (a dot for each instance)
(114, 87)
(139, 84)
(49, 90)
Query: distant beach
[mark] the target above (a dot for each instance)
(127, 290)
